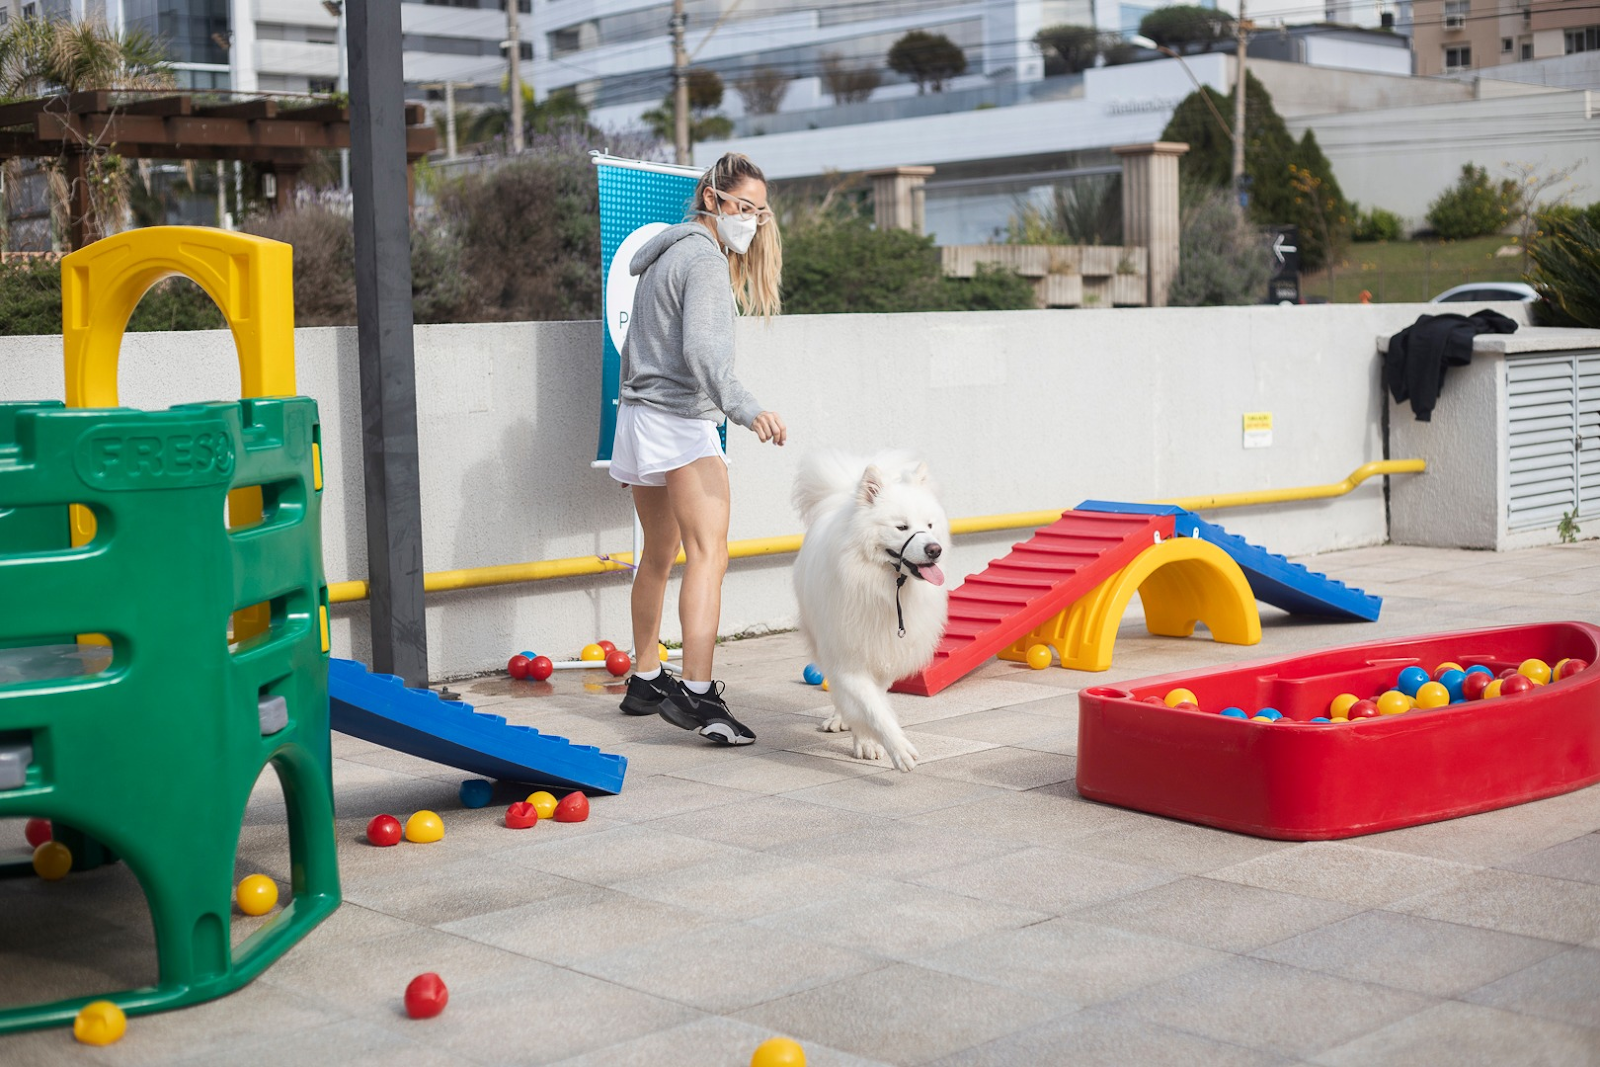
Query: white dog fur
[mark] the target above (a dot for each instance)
(858, 514)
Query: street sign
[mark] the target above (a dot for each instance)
(1284, 284)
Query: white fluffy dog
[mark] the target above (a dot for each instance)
(872, 597)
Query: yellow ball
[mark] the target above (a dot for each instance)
(666, 653)
(779, 1052)
(1394, 702)
(424, 828)
(592, 652)
(1180, 696)
(1337, 718)
(1492, 690)
(256, 894)
(824, 685)
(1432, 695)
(543, 803)
(1447, 665)
(99, 1022)
(1555, 670)
(1536, 671)
(1340, 708)
(1039, 657)
(52, 860)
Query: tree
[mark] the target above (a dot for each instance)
(705, 96)
(1187, 27)
(847, 85)
(929, 59)
(1220, 260)
(560, 109)
(1531, 187)
(1068, 49)
(1474, 206)
(763, 91)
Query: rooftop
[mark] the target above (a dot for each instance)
(974, 912)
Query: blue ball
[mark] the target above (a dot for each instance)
(1271, 713)
(1411, 679)
(1452, 680)
(1322, 718)
(531, 655)
(1480, 669)
(1234, 713)
(475, 793)
(812, 675)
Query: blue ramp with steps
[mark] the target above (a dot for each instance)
(381, 709)
(1273, 579)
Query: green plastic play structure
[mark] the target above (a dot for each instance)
(147, 749)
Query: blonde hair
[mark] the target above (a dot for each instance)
(757, 275)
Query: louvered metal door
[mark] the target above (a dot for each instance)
(1588, 379)
(1542, 420)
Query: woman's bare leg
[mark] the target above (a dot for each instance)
(698, 495)
(654, 565)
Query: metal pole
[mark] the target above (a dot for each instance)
(450, 120)
(1238, 108)
(384, 328)
(680, 86)
(514, 52)
(344, 87)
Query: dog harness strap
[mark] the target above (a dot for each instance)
(900, 560)
(899, 616)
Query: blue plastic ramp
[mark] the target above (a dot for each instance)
(379, 708)
(1273, 579)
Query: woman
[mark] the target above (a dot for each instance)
(677, 384)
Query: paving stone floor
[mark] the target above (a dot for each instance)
(975, 912)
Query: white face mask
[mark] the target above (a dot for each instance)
(736, 231)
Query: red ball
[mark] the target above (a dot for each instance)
(574, 807)
(1363, 709)
(617, 662)
(384, 830)
(540, 668)
(518, 667)
(1517, 683)
(608, 646)
(426, 996)
(1156, 701)
(1507, 673)
(1571, 667)
(37, 831)
(521, 815)
(1473, 685)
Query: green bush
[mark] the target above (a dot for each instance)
(1375, 224)
(1566, 271)
(30, 302)
(1474, 206)
(1220, 259)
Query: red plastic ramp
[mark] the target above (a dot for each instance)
(1040, 578)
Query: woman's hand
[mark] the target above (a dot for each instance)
(769, 427)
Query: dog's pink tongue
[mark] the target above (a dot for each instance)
(931, 573)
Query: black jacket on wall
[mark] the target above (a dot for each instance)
(1420, 354)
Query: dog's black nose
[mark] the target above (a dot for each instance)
(934, 550)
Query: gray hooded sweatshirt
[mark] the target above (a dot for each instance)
(678, 356)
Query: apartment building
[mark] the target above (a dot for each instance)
(1456, 36)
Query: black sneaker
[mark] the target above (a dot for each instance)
(646, 697)
(706, 714)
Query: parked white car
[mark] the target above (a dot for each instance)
(1486, 292)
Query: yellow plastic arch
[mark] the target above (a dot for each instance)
(1182, 581)
(251, 279)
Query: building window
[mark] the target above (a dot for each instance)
(525, 51)
(1526, 55)
(1455, 13)
(526, 7)
(1458, 59)
(331, 85)
(1585, 40)
(29, 10)
(1506, 45)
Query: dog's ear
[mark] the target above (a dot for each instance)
(871, 485)
(918, 476)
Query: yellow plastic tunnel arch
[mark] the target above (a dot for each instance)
(1182, 581)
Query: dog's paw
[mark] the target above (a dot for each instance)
(867, 748)
(903, 754)
(833, 725)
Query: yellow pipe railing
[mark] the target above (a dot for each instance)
(541, 570)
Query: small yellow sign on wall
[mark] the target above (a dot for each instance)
(1258, 429)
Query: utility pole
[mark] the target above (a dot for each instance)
(514, 52)
(680, 86)
(1238, 109)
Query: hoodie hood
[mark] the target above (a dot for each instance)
(657, 245)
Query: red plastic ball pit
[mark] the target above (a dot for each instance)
(384, 830)
(426, 996)
(618, 663)
(518, 666)
(540, 668)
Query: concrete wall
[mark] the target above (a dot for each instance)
(1015, 411)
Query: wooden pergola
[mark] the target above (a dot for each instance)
(278, 137)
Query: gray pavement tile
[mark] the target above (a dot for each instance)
(576, 926)
(1092, 1039)
(1467, 1035)
(1502, 836)
(1408, 952)
(930, 748)
(1065, 744)
(1043, 879)
(744, 885)
(1049, 815)
(1173, 845)
(775, 771)
(1219, 915)
(897, 850)
(1578, 860)
(614, 855)
(349, 1043)
(1564, 987)
(766, 822)
(894, 794)
(657, 796)
(452, 891)
(1552, 908)
(902, 1014)
(709, 1042)
(1008, 725)
(1009, 768)
(1349, 873)
(896, 920)
(1074, 962)
(105, 962)
(729, 966)
(1268, 1006)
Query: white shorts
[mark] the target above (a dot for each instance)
(649, 443)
